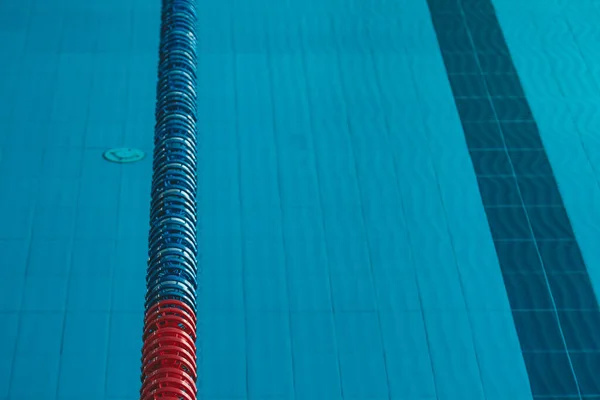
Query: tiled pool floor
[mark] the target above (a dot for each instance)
(360, 238)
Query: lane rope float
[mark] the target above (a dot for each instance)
(169, 339)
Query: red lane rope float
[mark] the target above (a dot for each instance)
(168, 354)
(172, 334)
(156, 364)
(167, 348)
(169, 393)
(170, 321)
(170, 311)
(168, 340)
(168, 377)
(169, 304)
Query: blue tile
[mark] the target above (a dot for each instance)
(13, 164)
(45, 293)
(317, 376)
(223, 373)
(220, 293)
(585, 365)
(227, 333)
(440, 287)
(486, 39)
(74, 73)
(108, 95)
(407, 355)
(504, 85)
(49, 258)
(358, 332)
(93, 258)
(17, 223)
(14, 255)
(5, 374)
(104, 134)
(353, 293)
(499, 190)
(562, 256)
(538, 330)
(46, 36)
(528, 291)
(539, 190)
(131, 222)
(11, 294)
(118, 40)
(41, 343)
(482, 20)
(550, 375)
(508, 223)
(491, 162)
(35, 94)
(54, 223)
(453, 354)
(467, 85)
(61, 192)
(573, 290)
(455, 41)
(85, 334)
(364, 375)
(475, 110)
(347, 252)
(123, 376)
(79, 375)
(8, 336)
(96, 223)
(261, 256)
(530, 162)
(61, 163)
(266, 294)
(24, 191)
(550, 223)
(446, 15)
(397, 290)
(87, 294)
(44, 368)
(457, 63)
(483, 135)
(125, 334)
(313, 332)
(499, 355)
(76, 34)
(579, 327)
(317, 298)
(521, 135)
(270, 366)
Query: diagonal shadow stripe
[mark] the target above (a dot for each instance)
(554, 306)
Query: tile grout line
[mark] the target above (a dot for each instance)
(284, 244)
(317, 166)
(240, 198)
(365, 232)
(452, 243)
(408, 235)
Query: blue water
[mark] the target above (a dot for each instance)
(346, 252)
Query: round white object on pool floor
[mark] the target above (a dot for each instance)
(123, 155)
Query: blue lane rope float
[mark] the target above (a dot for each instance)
(169, 351)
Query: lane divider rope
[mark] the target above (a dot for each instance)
(169, 339)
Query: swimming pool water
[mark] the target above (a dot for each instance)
(398, 199)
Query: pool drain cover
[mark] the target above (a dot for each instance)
(123, 155)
